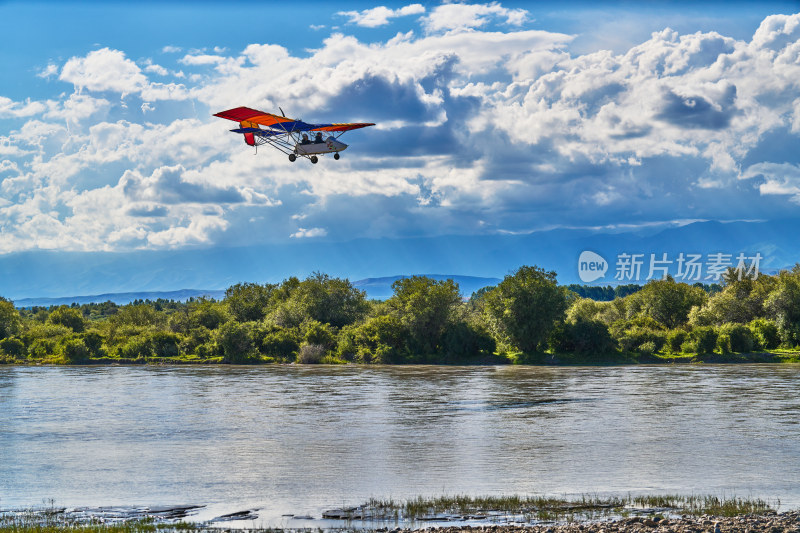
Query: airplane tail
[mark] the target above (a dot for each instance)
(249, 137)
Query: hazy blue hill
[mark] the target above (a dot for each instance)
(54, 274)
(121, 298)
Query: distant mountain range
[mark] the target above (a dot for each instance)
(120, 298)
(47, 274)
(376, 288)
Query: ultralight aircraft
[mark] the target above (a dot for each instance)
(290, 136)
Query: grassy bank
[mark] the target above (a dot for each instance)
(619, 358)
(532, 508)
(497, 510)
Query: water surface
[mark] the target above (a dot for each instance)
(301, 439)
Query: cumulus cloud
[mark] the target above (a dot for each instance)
(168, 185)
(12, 109)
(776, 179)
(467, 16)
(104, 70)
(109, 70)
(483, 126)
(379, 16)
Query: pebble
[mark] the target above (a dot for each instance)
(788, 522)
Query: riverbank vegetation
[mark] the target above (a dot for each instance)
(642, 510)
(528, 508)
(528, 318)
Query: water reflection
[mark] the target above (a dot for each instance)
(294, 439)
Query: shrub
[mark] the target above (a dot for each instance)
(93, 342)
(165, 344)
(647, 348)
(703, 339)
(462, 341)
(235, 342)
(311, 354)
(318, 333)
(74, 350)
(279, 343)
(633, 338)
(68, 317)
(675, 340)
(584, 336)
(381, 339)
(41, 348)
(12, 346)
(765, 333)
(735, 338)
(138, 347)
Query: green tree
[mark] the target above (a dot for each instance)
(73, 350)
(425, 307)
(279, 343)
(138, 315)
(249, 301)
(69, 317)
(765, 333)
(582, 336)
(784, 305)
(526, 306)
(165, 344)
(10, 321)
(463, 341)
(12, 346)
(665, 301)
(735, 338)
(236, 342)
(702, 340)
(740, 301)
(331, 301)
(379, 339)
(207, 314)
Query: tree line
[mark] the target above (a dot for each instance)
(527, 318)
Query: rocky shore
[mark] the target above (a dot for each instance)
(788, 522)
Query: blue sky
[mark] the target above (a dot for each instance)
(493, 118)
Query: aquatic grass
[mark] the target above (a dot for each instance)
(544, 508)
(706, 504)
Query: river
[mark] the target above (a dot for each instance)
(301, 439)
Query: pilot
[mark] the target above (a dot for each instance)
(305, 139)
(318, 138)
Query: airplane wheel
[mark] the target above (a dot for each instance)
(336, 156)
(292, 158)
(314, 159)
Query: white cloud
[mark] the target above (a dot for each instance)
(379, 16)
(201, 59)
(104, 70)
(466, 16)
(12, 109)
(307, 233)
(109, 70)
(49, 71)
(778, 179)
(478, 131)
(169, 49)
(155, 69)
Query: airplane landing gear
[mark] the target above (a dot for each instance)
(314, 159)
(292, 158)
(336, 156)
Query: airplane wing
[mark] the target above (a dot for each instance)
(246, 116)
(341, 127)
